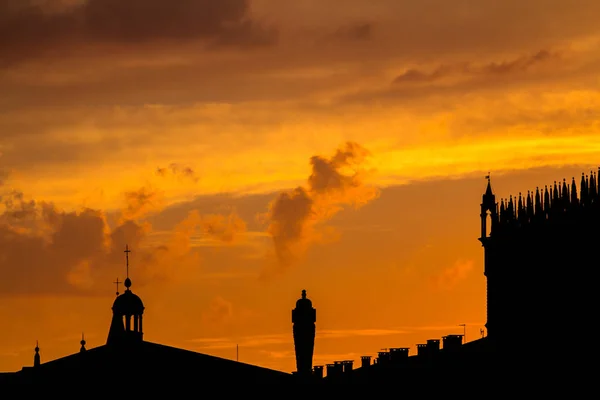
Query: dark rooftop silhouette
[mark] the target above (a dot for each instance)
(535, 249)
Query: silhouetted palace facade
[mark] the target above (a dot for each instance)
(540, 252)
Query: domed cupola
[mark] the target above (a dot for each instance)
(128, 310)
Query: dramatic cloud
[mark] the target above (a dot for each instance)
(216, 227)
(31, 28)
(141, 202)
(295, 216)
(46, 250)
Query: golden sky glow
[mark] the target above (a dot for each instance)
(247, 150)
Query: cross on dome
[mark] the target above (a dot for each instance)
(127, 280)
(117, 282)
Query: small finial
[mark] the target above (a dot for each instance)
(117, 282)
(82, 340)
(303, 293)
(36, 357)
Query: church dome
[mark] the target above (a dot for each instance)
(128, 304)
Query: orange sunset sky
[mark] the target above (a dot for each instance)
(246, 150)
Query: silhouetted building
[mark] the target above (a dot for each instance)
(537, 247)
(318, 371)
(398, 354)
(128, 310)
(126, 354)
(304, 317)
(452, 342)
(365, 361)
(348, 365)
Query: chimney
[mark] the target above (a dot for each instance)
(433, 346)
(383, 357)
(318, 371)
(398, 354)
(347, 365)
(330, 370)
(365, 361)
(452, 342)
(338, 368)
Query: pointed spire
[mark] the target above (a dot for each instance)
(555, 196)
(488, 189)
(511, 208)
(520, 209)
(520, 201)
(583, 189)
(593, 192)
(574, 199)
(530, 210)
(547, 203)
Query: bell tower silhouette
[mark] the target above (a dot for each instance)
(304, 317)
(489, 220)
(128, 309)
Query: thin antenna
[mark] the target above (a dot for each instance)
(237, 352)
(464, 332)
